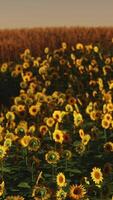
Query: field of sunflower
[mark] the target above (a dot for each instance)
(56, 125)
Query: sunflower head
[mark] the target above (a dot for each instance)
(58, 136)
(41, 192)
(34, 144)
(52, 157)
(97, 175)
(77, 191)
(61, 180)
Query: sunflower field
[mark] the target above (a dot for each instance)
(56, 125)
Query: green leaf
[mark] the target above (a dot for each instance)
(24, 185)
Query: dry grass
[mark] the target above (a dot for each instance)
(13, 42)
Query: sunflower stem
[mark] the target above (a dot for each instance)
(66, 165)
(105, 134)
(32, 174)
(52, 172)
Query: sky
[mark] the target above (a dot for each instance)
(46, 13)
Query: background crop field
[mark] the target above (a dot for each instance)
(13, 42)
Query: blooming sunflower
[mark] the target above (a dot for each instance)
(97, 175)
(108, 117)
(50, 122)
(52, 157)
(105, 123)
(61, 180)
(77, 191)
(34, 109)
(58, 136)
(61, 194)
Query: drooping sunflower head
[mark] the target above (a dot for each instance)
(97, 175)
(61, 180)
(52, 157)
(77, 191)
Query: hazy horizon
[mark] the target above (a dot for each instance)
(50, 13)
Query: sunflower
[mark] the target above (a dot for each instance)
(93, 115)
(34, 144)
(79, 46)
(43, 129)
(80, 148)
(108, 146)
(85, 139)
(71, 101)
(77, 191)
(67, 154)
(33, 110)
(7, 142)
(61, 180)
(21, 108)
(61, 194)
(97, 175)
(24, 141)
(41, 192)
(78, 119)
(81, 133)
(58, 136)
(105, 123)
(2, 187)
(4, 67)
(69, 108)
(108, 117)
(57, 115)
(32, 129)
(50, 122)
(10, 116)
(110, 107)
(52, 157)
